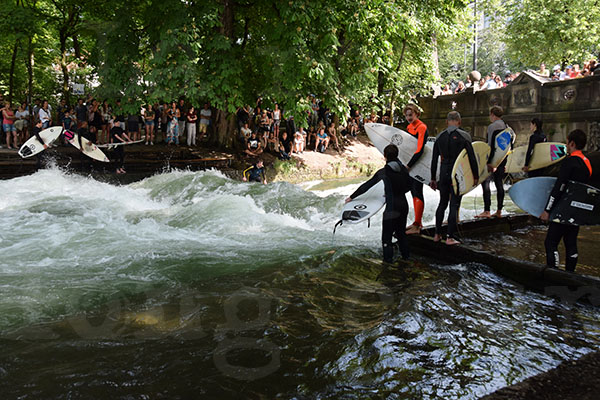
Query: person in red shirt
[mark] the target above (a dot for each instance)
(419, 130)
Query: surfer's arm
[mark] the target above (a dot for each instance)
(244, 173)
(434, 160)
(472, 160)
(561, 184)
(368, 184)
(421, 140)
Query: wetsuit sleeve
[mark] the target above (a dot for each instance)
(421, 140)
(38, 137)
(262, 173)
(79, 140)
(533, 140)
(434, 159)
(246, 170)
(368, 184)
(472, 159)
(564, 175)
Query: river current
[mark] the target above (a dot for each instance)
(193, 285)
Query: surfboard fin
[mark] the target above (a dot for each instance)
(340, 222)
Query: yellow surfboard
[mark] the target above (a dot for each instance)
(462, 176)
(544, 154)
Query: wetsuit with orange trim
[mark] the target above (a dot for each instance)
(575, 168)
(418, 130)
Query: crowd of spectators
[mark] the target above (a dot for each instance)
(494, 81)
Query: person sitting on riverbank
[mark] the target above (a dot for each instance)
(299, 141)
(322, 141)
(253, 146)
(285, 147)
(255, 173)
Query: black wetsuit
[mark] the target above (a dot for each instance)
(36, 132)
(573, 168)
(497, 176)
(255, 174)
(119, 152)
(537, 137)
(397, 182)
(448, 146)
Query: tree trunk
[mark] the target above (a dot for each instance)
(225, 129)
(11, 79)
(393, 96)
(63, 63)
(30, 80)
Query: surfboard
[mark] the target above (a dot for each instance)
(382, 135)
(364, 206)
(113, 145)
(503, 142)
(33, 145)
(89, 148)
(462, 176)
(579, 204)
(544, 154)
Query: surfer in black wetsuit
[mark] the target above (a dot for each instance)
(448, 146)
(256, 173)
(118, 136)
(36, 132)
(397, 182)
(575, 168)
(496, 174)
(536, 137)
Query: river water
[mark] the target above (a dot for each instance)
(192, 285)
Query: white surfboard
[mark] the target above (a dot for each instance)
(463, 179)
(364, 206)
(113, 145)
(89, 148)
(544, 155)
(382, 135)
(503, 143)
(33, 145)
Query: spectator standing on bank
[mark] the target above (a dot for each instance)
(22, 122)
(149, 118)
(45, 115)
(192, 118)
(182, 116)
(205, 117)
(173, 124)
(80, 112)
(105, 112)
(276, 119)
(8, 125)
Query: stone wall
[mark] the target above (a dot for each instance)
(561, 105)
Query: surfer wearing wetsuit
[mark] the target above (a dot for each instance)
(36, 132)
(448, 145)
(397, 182)
(118, 136)
(255, 173)
(498, 174)
(417, 129)
(536, 137)
(575, 168)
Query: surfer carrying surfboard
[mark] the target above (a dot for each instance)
(448, 145)
(417, 129)
(575, 168)
(537, 136)
(497, 173)
(396, 183)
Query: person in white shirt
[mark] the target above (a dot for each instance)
(45, 115)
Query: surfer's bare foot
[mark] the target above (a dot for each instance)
(413, 230)
(497, 214)
(452, 242)
(436, 238)
(485, 214)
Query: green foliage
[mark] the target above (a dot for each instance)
(552, 32)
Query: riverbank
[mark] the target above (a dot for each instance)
(358, 158)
